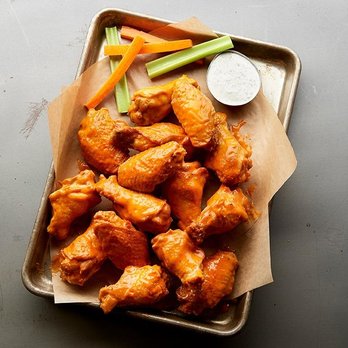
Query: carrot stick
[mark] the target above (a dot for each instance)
(158, 47)
(120, 70)
(131, 33)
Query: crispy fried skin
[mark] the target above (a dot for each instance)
(143, 171)
(179, 255)
(121, 242)
(230, 155)
(151, 104)
(147, 212)
(96, 137)
(184, 191)
(76, 196)
(83, 257)
(219, 274)
(224, 211)
(195, 113)
(138, 286)
(143, 138)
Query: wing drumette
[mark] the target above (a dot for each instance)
(96, 137)
(138, 286)
(76, 196)
(230, 155)
(179, 255)
(224, 211)
(219, 272)
(143, 171)
(184, 191)
(149, 213)
(121, 242)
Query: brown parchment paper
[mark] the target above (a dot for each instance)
(191, 28)
(273, 160)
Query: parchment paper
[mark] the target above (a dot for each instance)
(273, 159)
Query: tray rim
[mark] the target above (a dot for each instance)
(27, 280)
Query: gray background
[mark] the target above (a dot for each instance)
(307, 305)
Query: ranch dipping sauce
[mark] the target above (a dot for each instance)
(233, 79)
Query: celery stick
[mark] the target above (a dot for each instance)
(176, 60)
(122, 96)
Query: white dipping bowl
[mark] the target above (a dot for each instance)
(233, 79)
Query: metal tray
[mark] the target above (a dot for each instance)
(280, 69)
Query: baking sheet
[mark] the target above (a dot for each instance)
(280, 70)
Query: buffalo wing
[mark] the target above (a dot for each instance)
(184, 191)
(195, 113)
(224, 211)
(179, 255)
(76, 196)
(98, 146)
(138, 286)
(230, 155)
(121, 242)
(143, 171)
(218, 281)
(147, 212)
(84, 256)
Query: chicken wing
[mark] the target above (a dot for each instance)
(96, 137)
(151, 104)
(84, 256)
(143, 138)
(184, 190)
(143, 171)
(138, 286)
(219, 273)
(230, 156)
(121, 242)
(179, 255)
(76, 196)
(147, 212)
(195, 113)
(224, 211)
